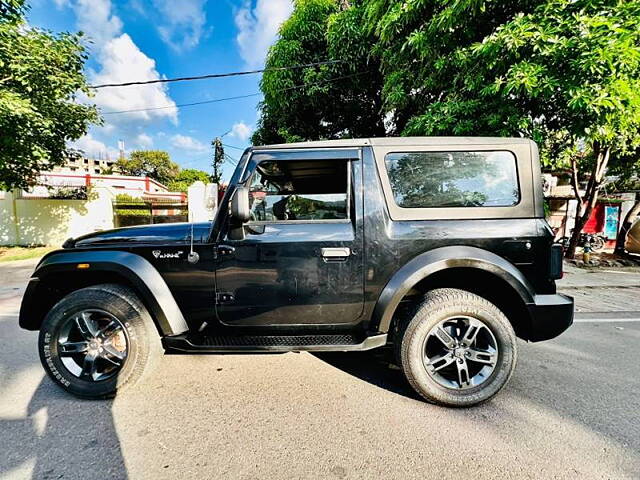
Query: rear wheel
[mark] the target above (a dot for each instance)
(98, 340)
(457, 349)
(598, 243)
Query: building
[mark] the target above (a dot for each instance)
(139, 187)
(93, 166)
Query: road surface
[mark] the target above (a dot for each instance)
(570, 411)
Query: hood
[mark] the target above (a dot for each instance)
(144, 234)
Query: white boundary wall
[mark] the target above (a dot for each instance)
(43, 221)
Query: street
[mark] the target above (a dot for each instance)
(571, 409)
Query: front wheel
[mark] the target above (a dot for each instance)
(457, 348)
(98, 340)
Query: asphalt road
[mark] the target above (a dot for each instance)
(570, 411)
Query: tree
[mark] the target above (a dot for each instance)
(329, 101)
(218, 160)
(186, 178)
(559, 67)
(154, 164)
(41, 79)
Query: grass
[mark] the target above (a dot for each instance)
(8, 254)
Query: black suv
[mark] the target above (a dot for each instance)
(435, 246)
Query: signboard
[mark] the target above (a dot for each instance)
(611, 222)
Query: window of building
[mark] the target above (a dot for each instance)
(299, 190)
(453, 179)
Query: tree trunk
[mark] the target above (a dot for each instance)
(586, 204)
(626, 226)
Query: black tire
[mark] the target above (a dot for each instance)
(439, 306)
(143, 347)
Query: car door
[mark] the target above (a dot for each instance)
(300, 261)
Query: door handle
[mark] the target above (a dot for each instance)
(338, 252)
(225, 249)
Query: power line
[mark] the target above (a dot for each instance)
(224, 99)
(164, 107)
(215, 75)
(234, 147)
(232, 160)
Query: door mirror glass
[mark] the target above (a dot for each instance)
(240, 204)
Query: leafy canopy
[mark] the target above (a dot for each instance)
(568, 66)
(335, 101)
(41, 76)
(154, 164)
(186, 178)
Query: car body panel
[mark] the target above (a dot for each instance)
(274, 279)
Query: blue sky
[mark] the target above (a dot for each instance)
(149, 39)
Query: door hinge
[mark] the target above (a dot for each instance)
(224, 297)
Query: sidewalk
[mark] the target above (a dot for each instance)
(605, 290)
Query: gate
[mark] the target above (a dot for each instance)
(145, 212)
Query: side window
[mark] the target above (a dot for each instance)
(453, 179)
(299, 190)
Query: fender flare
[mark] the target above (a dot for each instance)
(439, 259)
(149, 284)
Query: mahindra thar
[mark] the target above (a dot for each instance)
(435, 247)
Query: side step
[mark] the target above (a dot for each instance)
(272, 343)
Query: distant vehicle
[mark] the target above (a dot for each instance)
(596, 242)
(437, 247)
(632, 243)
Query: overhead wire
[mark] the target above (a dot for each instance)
(216, 100)
(215, 75)
(234, 147)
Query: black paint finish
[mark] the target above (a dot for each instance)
(272, 279)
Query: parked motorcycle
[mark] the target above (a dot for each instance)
(596, 242)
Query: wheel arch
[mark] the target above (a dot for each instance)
(468, 268)
(58, 275)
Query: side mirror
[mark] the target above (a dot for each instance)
(240, 204)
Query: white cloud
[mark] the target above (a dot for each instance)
(241, 131)
(61, 3)
(121, 60)
(189, 144)
(182, 25)
(94, 148)
(95, 19)
(258, 28)
(144, 141)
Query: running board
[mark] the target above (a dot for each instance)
(271, 343)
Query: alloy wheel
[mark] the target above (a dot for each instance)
(93, 345)
(460, 352)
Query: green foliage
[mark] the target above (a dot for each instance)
(186, 178)
(154, 164)
(512, 68)
(338, 100)
(41, 76)
(142, 210)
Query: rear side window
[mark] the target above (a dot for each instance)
(453, 179)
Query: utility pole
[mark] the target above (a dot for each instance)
(218, 159)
